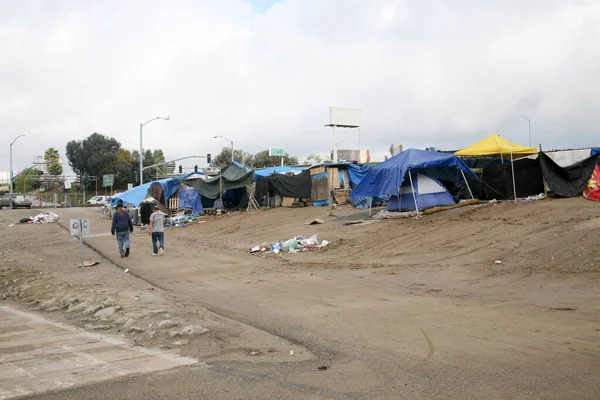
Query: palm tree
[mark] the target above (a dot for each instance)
(52, 160)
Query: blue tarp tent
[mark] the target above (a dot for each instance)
(135, 196)
(388, 177)
(595, 150)
(190, 200)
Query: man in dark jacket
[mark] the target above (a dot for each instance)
(122, 225)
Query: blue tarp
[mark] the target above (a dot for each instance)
(595, 150)
(387, 177)
(135, 196)
(190, 200)
(261, 173)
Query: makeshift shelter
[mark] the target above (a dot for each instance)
(567, 181)
(190, 200)
(592, 189)
(264, 172)
(133, 197)
(277, 185)
(499, 184)
(233, 176)
(495, 145)
(388, 177)
(146, 208)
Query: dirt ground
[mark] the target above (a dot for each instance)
(411, 308)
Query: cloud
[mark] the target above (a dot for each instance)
(263, 73)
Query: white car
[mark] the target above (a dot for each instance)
(97, 201)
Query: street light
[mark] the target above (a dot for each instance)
(141, 155)
(529, 121)
(230, 141)
(11, 169)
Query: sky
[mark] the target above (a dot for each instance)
(263, 73)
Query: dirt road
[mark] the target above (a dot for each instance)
(400, 308)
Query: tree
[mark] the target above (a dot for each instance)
(95, 155)
(52, 160)
(28, 180)
(262, 160)
(223, 159)
(313, 159)
(124, 168)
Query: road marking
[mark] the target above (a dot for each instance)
(38, 355)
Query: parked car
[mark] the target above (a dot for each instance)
(97, 201)
(15, 200)
(68, 204)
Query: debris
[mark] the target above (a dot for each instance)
(497, 262)
(167, 323)
(126, 270)
(395, 215)
(294, 245)
(291, 352)
(358, 221)
(45, 218)
(322, 368)
(316, 221)
(90, 263)
(192, 330)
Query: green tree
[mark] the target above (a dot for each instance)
(313, 159)
(124, 169)
(52, 160)
(27, 181)
(223, 159)
(262, 160)
(95, 155)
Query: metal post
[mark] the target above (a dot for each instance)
(512, 167)
(468, 187)
(81, 242)
(529, 121)
(10, 174)
(335, 157)
(413, 191)
(282, 161)
(141, 157)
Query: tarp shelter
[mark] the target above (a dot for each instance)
(261, 173)
(147, 208)
(133, 197)
(592, 189)
(499, 183)
(232, 176)
(567, 181)
(190, 200)
(295, 186)
(388, 177)
(496, 145)
(594, 151)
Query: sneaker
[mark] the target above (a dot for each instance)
(161, 251)
(127, 252)
(154, 254)
(122, 256)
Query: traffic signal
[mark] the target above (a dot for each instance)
(180, 169)
(195, 168)
(208, 159)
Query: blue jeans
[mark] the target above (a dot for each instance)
(160, 237)
(123, 239)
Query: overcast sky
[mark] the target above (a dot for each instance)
(263, 73)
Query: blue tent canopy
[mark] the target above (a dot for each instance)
(135, 196)
(387, 177)
(595, 150)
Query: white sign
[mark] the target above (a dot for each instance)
(80, 227)
(345, 117)
(276, 152)
(129, 186)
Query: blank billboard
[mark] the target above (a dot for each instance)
(346, 117)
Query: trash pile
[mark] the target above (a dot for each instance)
(42, 218)
(181, 220)
(294, 245)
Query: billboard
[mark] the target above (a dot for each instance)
(362, 156)
(345, 117)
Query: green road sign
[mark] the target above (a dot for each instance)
(108, 180)
(276, 152)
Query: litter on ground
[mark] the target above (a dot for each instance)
(293, 245)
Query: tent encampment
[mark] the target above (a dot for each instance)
(567, 181)
(388, 177)
(232, 176)
(133, 197)
(496, 145)
(429, 192)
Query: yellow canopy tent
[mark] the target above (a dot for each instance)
(495, 145)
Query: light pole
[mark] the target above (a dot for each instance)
(230, 141)
(141, 155)
(11, 169)
(529, 121)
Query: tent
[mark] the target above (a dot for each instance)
(499, 184)
(495, 145)
(567, 181)
(232, 176)
(295, 186)
(190, 200)
(592, 189)
(388, 177)
(429, 193)
(133, 197)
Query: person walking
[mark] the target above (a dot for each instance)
(122, 225)
(156, 229)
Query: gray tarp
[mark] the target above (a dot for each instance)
(232, 177)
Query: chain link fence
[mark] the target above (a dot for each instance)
(57, 200)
